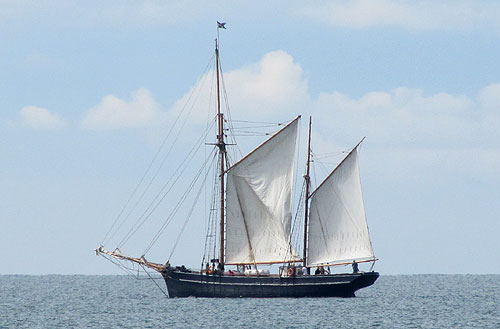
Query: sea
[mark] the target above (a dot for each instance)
(400, 301)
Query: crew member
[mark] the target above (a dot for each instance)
(355, 268)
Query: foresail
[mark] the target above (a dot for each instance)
(259, 202)
(338, 231)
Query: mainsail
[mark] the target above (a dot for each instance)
(338, 231)
(259, 202)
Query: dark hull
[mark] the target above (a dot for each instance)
(187, 284)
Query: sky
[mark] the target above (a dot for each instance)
(89, 90)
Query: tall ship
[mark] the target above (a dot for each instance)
(254, 253)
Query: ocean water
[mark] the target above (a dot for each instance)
(402, 301)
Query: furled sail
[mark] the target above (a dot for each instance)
(259, 202)
(338, 231)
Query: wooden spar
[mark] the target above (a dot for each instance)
(347, 263)
(263, 143)
(265, 263)
(306, 206)
(246, 231)
(118, 255)
(222, 152)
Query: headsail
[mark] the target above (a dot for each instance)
(259, 202)
(338, 231)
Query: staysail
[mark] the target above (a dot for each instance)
(259, 202)
(338, 231)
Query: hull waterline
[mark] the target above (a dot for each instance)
(189, 284)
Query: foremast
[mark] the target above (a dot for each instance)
(222, 152)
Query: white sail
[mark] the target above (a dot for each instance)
(338, 231)
(259, 202)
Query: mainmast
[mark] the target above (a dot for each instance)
(306, 206)
(222, 152)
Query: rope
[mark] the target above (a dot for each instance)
(190, 212)
(128, 271)
(262, 122)
(176, 208)
(157, 200)
(156, 156)
(166, 295)
(211, 228)
(119, 265)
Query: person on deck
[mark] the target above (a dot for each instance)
(355, 268)
(304, 270)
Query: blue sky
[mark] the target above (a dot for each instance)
(89, 89)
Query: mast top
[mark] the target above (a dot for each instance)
(222, 151)
(220, 25)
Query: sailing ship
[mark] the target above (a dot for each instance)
(255, 214)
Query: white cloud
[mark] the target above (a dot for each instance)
(114, 113)
(411, 134)
(40, 118)
(416, 135)
(489, 97)
(403, 116)
(413, 15)
(274, 87)
(274, 84)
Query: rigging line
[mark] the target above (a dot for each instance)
(152, 205)
(254, 127)
(177, 206)
(320, 157)
(140, 182)
(330, 154)
(190, 213)
(177, 173)
(212, 61)
(216, 214)
(363, 201)
(319, 164)
(300, 213)
(252, 135)
(229, 114)
(171, 215)
(256, 132)
(209, 121)
(156, 283)
(289, 251)
(211, 225)
(156, 155)
(198, 88)
(323, 163)
(181, 201)
(314, 174)
(263, 122)
(119, 265)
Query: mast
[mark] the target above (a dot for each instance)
(222, 151)
(306, 206)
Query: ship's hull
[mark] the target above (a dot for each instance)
(188, 284)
